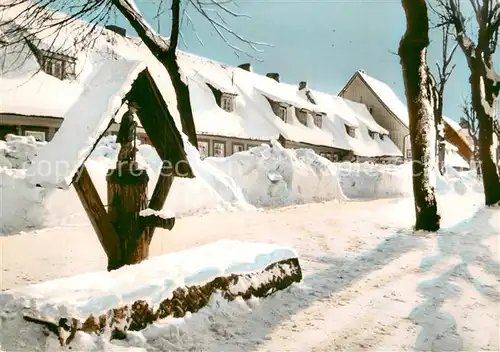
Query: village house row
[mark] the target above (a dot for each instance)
(234, 108)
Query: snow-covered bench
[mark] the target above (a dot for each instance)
(170, 285)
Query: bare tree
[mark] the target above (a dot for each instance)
(484, 80)
(444, 71)
(470, 122)
(419, 89)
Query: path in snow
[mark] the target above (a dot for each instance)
(368, 284)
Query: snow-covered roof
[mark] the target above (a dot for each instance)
(217, 75)
(281, 92)
(85, 122)
(252, 118)
(388, 97)
(453, 124)
(341, 112)
(455, 160)
(364, 115)
(26, 90)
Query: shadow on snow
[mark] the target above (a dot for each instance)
(463, 241)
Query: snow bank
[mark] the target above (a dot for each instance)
(368, 180)
(263, 176)
(17, 152)
(153, 280)
(275, 176)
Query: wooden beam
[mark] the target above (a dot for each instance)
(157, 221)
(97, 214)
(159, 124)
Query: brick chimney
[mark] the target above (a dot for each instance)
(302, 85)
(274, 75)
(246, 67)
(119, 30)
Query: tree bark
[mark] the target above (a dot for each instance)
(166, 55)
(127, 196)
(440, 138)
(484, 103)
(413, 51)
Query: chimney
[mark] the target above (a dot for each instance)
(273, 75)
(246, 67)
(119, 30)
(302, 85)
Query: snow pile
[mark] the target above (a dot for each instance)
(17, 152)
(153, 280)
(263, 176)
(275, 176)
(32, 208)
(369, 181)
(19, 205)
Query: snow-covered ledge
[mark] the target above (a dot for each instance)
(164, 219)
(132, 297)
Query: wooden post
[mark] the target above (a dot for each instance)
(127, 196)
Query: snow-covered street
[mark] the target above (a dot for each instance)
(369, 283)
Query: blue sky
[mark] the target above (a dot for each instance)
(321, 41)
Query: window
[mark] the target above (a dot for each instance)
(48, 66)
(408, 153)
(371, 111)
(318, 119)
(301, 116)
(57, 65)
(237, 147)
(282, 113)
(227, 103)
(328, 156)
(351, 131)
(203, 149)
(39, 135)
(58, 69)
(219, 149)
(336, 157)
(382, 136)
(372, 134)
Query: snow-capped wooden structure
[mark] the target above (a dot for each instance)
(125, 235)
(134, 297)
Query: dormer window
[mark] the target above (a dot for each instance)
(282, 112)
(382, 136)
(318, 119)
(372, 134)
(227, 102)
(301, 116)
(57, 65)
(351, 131)
(223, 99)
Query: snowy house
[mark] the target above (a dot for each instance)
(39, 84)
(391, 113)
(234, 108)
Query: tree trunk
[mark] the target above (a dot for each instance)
(476, 159)
(440, 145)
(413, 50)
(169, 60)
(127, 196)
(165, 54)
(484, 104)
(441, 156)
